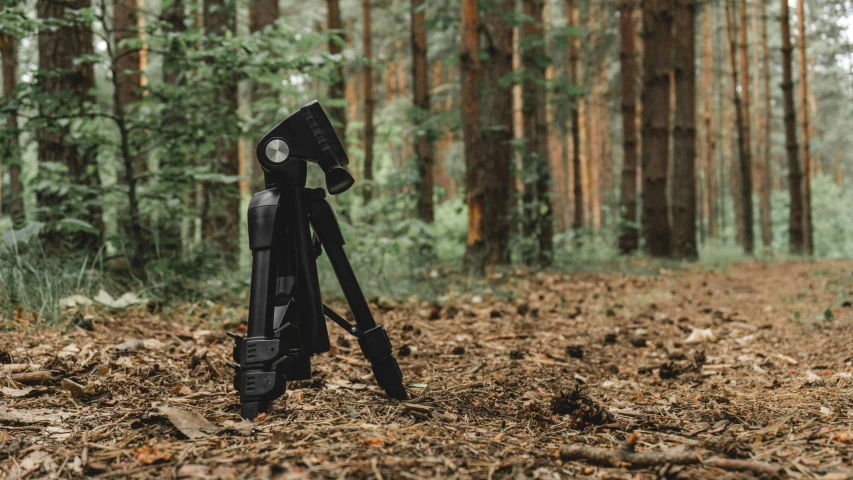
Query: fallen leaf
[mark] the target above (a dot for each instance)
(701, 335)
(243, 427)
(131, 345)
(16, 392)
(193, 425)
(192, 471)
(35, 460)
(812, 377)
(68, 351)
(120, 303)
(146, 455)
(152, 344)
(36, 415)
(72, 301)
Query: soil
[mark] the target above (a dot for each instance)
(752, 361)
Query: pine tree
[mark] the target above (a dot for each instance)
(657, 34)
(808, 236)
(11, 154)
(69, 84)
(744, 167)
(684, 133)
(221, 206)
(470, 72)
(337, 88)
(764, 187)
(629, 234)
(369, 99)
(421, 100)
(795, 176)
(495, 181)
(539, 217)
(578, 217)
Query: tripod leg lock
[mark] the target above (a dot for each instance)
(259, 372)
(376, 347)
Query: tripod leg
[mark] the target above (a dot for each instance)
(312, 323)
(372, 338)
(255, 377)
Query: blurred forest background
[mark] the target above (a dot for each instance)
(481, 133)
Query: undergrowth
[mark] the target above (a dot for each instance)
(396, 257)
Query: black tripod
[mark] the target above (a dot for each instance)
(286, 314)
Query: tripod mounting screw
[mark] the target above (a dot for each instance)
(277, 150)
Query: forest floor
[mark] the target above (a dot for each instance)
(739, 371)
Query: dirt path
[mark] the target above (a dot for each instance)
(769, 378)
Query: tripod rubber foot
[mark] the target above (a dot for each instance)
(251, 410)
(397, 393)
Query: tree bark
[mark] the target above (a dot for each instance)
(808, 236)
(657, 26)
(129, 59)
(475, 244)
(745, 85)
(765, 189)
(369, 100)
(420, 95)
(125, 64)
(629, 234)
(221, 217)
(337, 88)
(578, 217)
(539, 221)
(263, 14)
(684, 133)
(496, 134)
(11, 151)
(174, 16)
(744, 178)
(795, 176)
(69, 85)
(708, 93)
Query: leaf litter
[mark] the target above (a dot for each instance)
(548, 379)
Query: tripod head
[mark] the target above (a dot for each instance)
(306, 135)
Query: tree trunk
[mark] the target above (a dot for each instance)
(744, 178)
(420, 96)
(629, 234)
(795, 176)
(710, 144)
(69, 84)
(496, 135)
(174, 16)
(766, 127)
(578, 218)
(369, 101)
(808, 236)
(684, 133)
(337, 88)
(222, 200)
(745, 86)
(11, 151)
(657, 26)
(126, 65)
(128, 25)
(539, 217)
(263, 14)
(475, 244)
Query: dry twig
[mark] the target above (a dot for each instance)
(628, 459)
